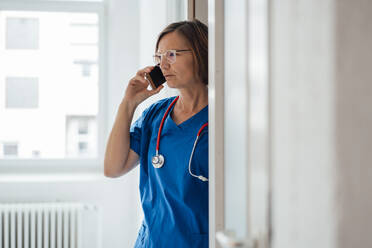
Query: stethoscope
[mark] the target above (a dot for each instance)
(158, 160)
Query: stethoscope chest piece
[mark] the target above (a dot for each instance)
(157, 161)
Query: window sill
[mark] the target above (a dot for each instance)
(42, 178)
(51, 170)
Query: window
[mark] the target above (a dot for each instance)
(50, 79)
(81, 136)
(21, 92)
(10, 149)
(22, 33)
(83, 147)
(86, 67)
(83, 126)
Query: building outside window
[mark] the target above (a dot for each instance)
(81, 136)
(21, 92)
(49, 82)
(21, 32)
(10, 149)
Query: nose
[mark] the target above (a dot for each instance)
(164, 64)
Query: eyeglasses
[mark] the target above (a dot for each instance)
(170, 55)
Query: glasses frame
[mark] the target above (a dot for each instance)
(164, 53)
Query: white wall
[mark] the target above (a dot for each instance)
(123, 60)
(302, 124)
(116, 198)
(321, 126)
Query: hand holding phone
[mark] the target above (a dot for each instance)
(155, 77)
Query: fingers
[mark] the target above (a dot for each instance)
(140, 76)
(142, 72)
(138, 85)
(155, 91)
(139, 81)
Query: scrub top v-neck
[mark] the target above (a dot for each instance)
(174, 203)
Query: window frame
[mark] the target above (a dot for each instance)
(67, 165)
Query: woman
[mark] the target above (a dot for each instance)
(174, 192)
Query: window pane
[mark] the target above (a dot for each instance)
(10, 150)
(22, 33)
(80, 135)
(21, 92)
(48, 84)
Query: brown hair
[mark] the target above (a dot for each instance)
(196, 34)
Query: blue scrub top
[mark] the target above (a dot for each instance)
(175, 204)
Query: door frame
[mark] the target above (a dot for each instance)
(216, 119)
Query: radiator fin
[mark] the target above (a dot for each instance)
(44, 225)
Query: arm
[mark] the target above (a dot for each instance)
(119, 158)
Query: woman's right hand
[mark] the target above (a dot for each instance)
(137, 91)
(119, 158)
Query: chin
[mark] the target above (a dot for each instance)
(172, 84)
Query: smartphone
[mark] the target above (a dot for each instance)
(155, 77)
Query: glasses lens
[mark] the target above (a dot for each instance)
(171, 56)
(157, 58)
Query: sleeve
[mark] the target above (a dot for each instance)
(136, 131)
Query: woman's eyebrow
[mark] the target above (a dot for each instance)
(176, 49)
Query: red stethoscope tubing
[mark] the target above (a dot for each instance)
(162, 123)
(158, 160)
(201, 129)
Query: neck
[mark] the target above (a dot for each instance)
(193, 100)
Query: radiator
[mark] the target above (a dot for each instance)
(49, 225)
